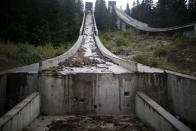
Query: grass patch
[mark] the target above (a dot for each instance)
(20, 54)
(121, 42)
(175, 52)
(147, 59)
(161, 51)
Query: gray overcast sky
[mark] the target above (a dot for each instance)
(119, 3)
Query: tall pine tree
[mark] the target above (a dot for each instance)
(101, 15)
(127, 10)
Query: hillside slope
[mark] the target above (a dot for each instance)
(174, 53)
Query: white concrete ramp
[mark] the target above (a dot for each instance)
(145, 27)
(88, 58)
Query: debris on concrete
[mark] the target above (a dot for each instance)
(88, 58)
(98, 123)
(88, 123)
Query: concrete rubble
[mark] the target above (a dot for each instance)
(88, 123)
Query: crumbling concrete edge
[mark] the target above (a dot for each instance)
(33, 68)
(155, 116)
(180, 75)
(22, 114)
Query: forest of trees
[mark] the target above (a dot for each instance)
(164, 13)
(57, 21)
(105, 20)
(40, 21)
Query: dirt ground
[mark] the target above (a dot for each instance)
(98, 123)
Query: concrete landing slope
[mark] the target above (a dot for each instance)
(145, 27)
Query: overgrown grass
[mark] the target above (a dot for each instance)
(175, 52)
(147, 59)
(19, 54)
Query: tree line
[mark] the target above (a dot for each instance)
(105, 18)
(40, 21)
(164, 13)
(58, 21)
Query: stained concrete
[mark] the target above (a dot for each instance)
(22, 114)
(154, 85)
(14, 87)
(19, 86)
(155, 116)
(182, 98)
(87, 93)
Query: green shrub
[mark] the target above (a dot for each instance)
(106, 37)
(13, 55)
(161, 51)
(26, 54)
(146, 59)
(126, 34)
(121, 42)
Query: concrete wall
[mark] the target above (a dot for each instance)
(3, 83)
(118, 23)
(22, 114)
(14, 87)
(155, 116)
(87, 93)
(190, 34)
(19, 86)
(123, 26)
(182, 96)
(154, 85)
(98, 93)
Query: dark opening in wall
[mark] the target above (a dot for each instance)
(126, 93)
(76, 98)
(81, 100)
